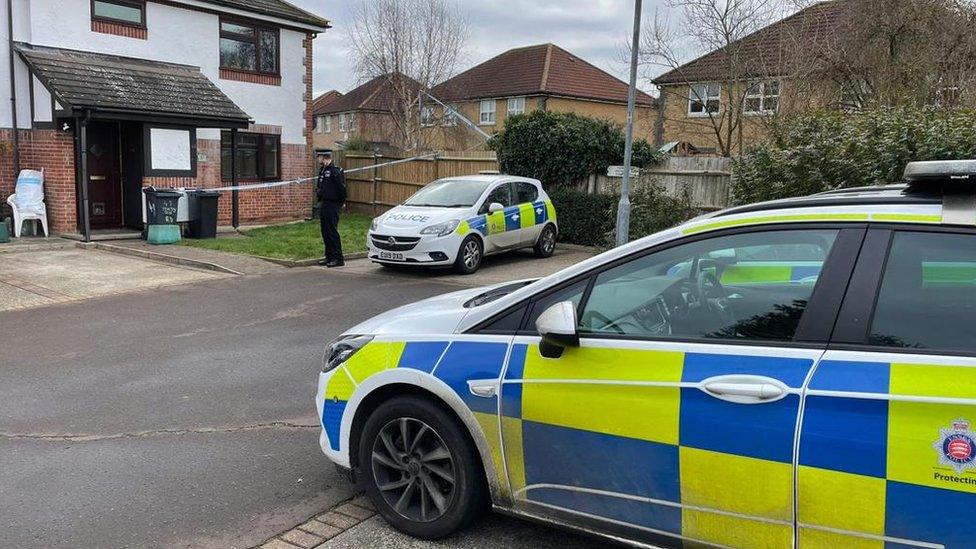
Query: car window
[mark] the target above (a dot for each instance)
(501, 194)
(525, 192)
(573, 293)
(928, 293)
(752, 286)
(448, 193)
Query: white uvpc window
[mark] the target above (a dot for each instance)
(762, 98)
(427, 116)
(704, 99)
(319, 124)
(450, 116)
(488, 112)
(327, 125)
(516, 105)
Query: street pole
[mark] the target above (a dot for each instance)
(623, 209)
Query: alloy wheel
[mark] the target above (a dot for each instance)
(548, 240)
(472, 254)
(414, 470)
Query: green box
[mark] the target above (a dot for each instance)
(163, 234)
(4, 231)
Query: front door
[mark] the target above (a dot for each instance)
(104, 176)
(677, 415)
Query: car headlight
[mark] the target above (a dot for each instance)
(342, 349)
(375, 224)
(442, 229)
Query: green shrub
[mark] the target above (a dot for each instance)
(586, 219)
(652, 210)
(830, 150)
(590, 219)
(561, 148)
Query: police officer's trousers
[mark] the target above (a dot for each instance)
(329, 219)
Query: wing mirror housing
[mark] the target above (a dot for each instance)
(557, 326)
(495, 207)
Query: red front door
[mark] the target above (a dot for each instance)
(104, 176)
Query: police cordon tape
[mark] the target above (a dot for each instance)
(269, 185)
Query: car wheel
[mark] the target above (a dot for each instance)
(546, 245)
(420, 468)
(469, 256)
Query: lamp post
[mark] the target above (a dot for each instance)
(623, 209)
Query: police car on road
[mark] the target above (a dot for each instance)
(793, 373)
(458, 221)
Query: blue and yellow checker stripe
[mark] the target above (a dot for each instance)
(627, 435)
(869, 474)
(513, 218)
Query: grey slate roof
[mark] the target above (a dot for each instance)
(276, 8)
(108, 82)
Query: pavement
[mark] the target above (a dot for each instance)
(183, 416)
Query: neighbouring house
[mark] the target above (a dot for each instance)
(323, 123)
(522, 80)
(116, 95)
(377, 115)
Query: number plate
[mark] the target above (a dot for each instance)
(392, 256)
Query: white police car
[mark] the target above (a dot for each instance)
(800, 373)
(459, 220)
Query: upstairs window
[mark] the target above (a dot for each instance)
(246, 47)
(451, 116)
(427, 117)
(258, 156)
(516, 105)
(123, 12)
(488, 112)
(704, 99)
(762, 98)
(327, 124)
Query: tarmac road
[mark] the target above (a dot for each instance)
(181, 417)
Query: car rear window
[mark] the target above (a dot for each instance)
(928, 294)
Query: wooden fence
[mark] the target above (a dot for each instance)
(375, 190)
(707, 179)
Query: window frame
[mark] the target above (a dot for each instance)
(518, 109)
(492, 113)
(262, 139)
(255, 40)
(428, 116)
(139, 4)
(856, 316)
(694, 98)
(812, 332)
(451, 115)
(762, 96)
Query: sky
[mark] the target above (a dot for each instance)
(596, 30)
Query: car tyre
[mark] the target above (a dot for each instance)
(470, 255)
(412, 444)
(545, 246)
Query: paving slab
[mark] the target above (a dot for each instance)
(46, 276)
(495, 531)
(244, 264)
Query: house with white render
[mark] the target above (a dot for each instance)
(111, 96)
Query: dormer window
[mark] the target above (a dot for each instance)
(120, 12)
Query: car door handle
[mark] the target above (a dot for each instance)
(742, 389)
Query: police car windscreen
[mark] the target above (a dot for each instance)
(452, 193)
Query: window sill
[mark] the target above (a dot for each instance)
(702, 114)
(119, 29)
(250, 77)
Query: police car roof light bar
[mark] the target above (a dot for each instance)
(941, 172)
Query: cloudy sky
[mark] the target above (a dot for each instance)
(592, 29)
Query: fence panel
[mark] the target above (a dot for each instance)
(378, 189)
(708, 179)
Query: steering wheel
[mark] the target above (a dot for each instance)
(713, 295)
(602, 318)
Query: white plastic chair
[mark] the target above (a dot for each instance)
(20, 217)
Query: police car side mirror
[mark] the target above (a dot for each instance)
(557, 326)
(495, 207)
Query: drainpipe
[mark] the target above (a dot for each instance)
(13, 85)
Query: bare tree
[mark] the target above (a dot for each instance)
(705, 26)
(413, 45)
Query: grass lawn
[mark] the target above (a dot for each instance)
(295, 241)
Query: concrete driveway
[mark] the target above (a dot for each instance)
(57, 275)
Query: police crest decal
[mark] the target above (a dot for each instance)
(957, 447)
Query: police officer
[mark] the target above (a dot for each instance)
(331, 190)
